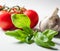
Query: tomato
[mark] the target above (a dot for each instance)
(5, 17)
(33, 17)
(5, 20)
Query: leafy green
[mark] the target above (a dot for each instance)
(20, 20)
(18, 34)
(28, 30)
(50, 33)
(21, 35)
(45, 38)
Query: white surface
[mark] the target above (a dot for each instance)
(43, 8)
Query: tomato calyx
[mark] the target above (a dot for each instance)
(17, 10)
(14, 9)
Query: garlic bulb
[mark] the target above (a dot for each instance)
(52, 22)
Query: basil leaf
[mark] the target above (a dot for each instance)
(28, 30)
(22, 35)
(41, 40)
(18, 34)
(12, 33)
(20, 20)
(50, 33)
(45, 38)
(51, 43)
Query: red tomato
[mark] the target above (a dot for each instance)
(33, 17)
(5, 20)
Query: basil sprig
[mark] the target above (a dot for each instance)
(27, 35)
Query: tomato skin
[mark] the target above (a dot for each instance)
(33, 17)
(5, 20)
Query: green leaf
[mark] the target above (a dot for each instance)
(50, 33)
(41, 36)
(20, 20)
(13, 33)
(45, 38)
(51, 43)
(18, 34)
(22, 35)
(28, 30)
(40, 39)
(29, 40)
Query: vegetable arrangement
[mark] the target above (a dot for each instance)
(27, 35)
(22, 21)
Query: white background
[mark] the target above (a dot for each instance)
(43, 8)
